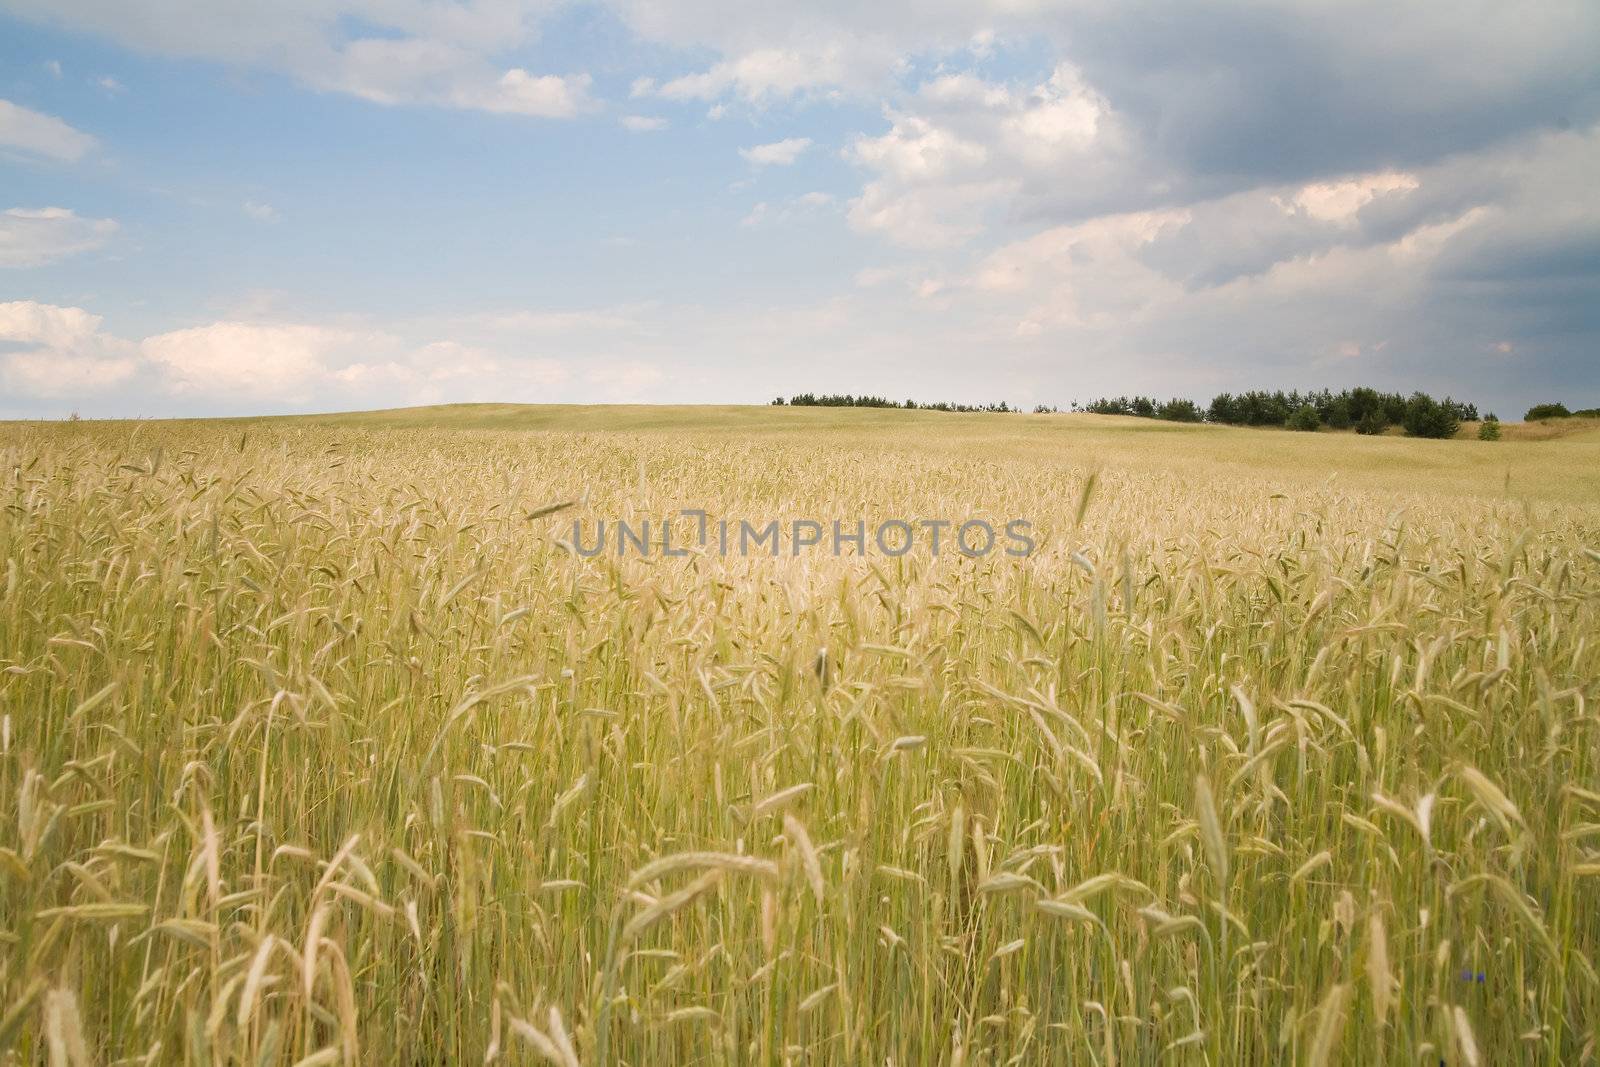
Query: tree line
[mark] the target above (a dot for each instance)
(1366, 411)
(848, 400)
(1559, 411)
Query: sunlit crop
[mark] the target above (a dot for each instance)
(317, 749)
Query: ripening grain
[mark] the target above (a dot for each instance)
(317, 745)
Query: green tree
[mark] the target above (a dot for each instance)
(1305, 418)
(1372, 423)
(1427, 417)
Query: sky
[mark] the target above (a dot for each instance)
(221, 207)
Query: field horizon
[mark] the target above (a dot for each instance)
(1554, 460)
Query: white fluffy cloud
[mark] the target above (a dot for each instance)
(30, 237)
(53, 375)
(778, 153)
(962, 150)
(248, 359)
(64, 353)
(419, 70)
(1339, 201)
(768, 74)
(63, 329)
(42, 136)
(59, 352)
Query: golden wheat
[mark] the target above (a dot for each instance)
(319, 744)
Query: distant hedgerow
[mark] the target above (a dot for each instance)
(848, 400)
(1367, 411)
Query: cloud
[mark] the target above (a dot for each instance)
(61, 328)
(43, 136)
(449, 370)
(932, 216)
(424, 71)
(1416, 288)
(767, 74)
(1146, 107)
(1339, 201)
(386, 51)
(245, 359)
(1154, 197)
(245, 363)
(54, 375)
(60, 352)
(626, 381)
(518, 92)
(806, 205)
(260, 210)
(778, 153)
(1216, 90)
(773, 52)
(643, 123)
(961, 151)
(31, 238)
(49, 352)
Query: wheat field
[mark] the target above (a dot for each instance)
(319, 745)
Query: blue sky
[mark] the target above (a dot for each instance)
(224, 207)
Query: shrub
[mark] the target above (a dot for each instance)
(1546, 411)
(1427, 417)
(1489, 429)
(1305, 418)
